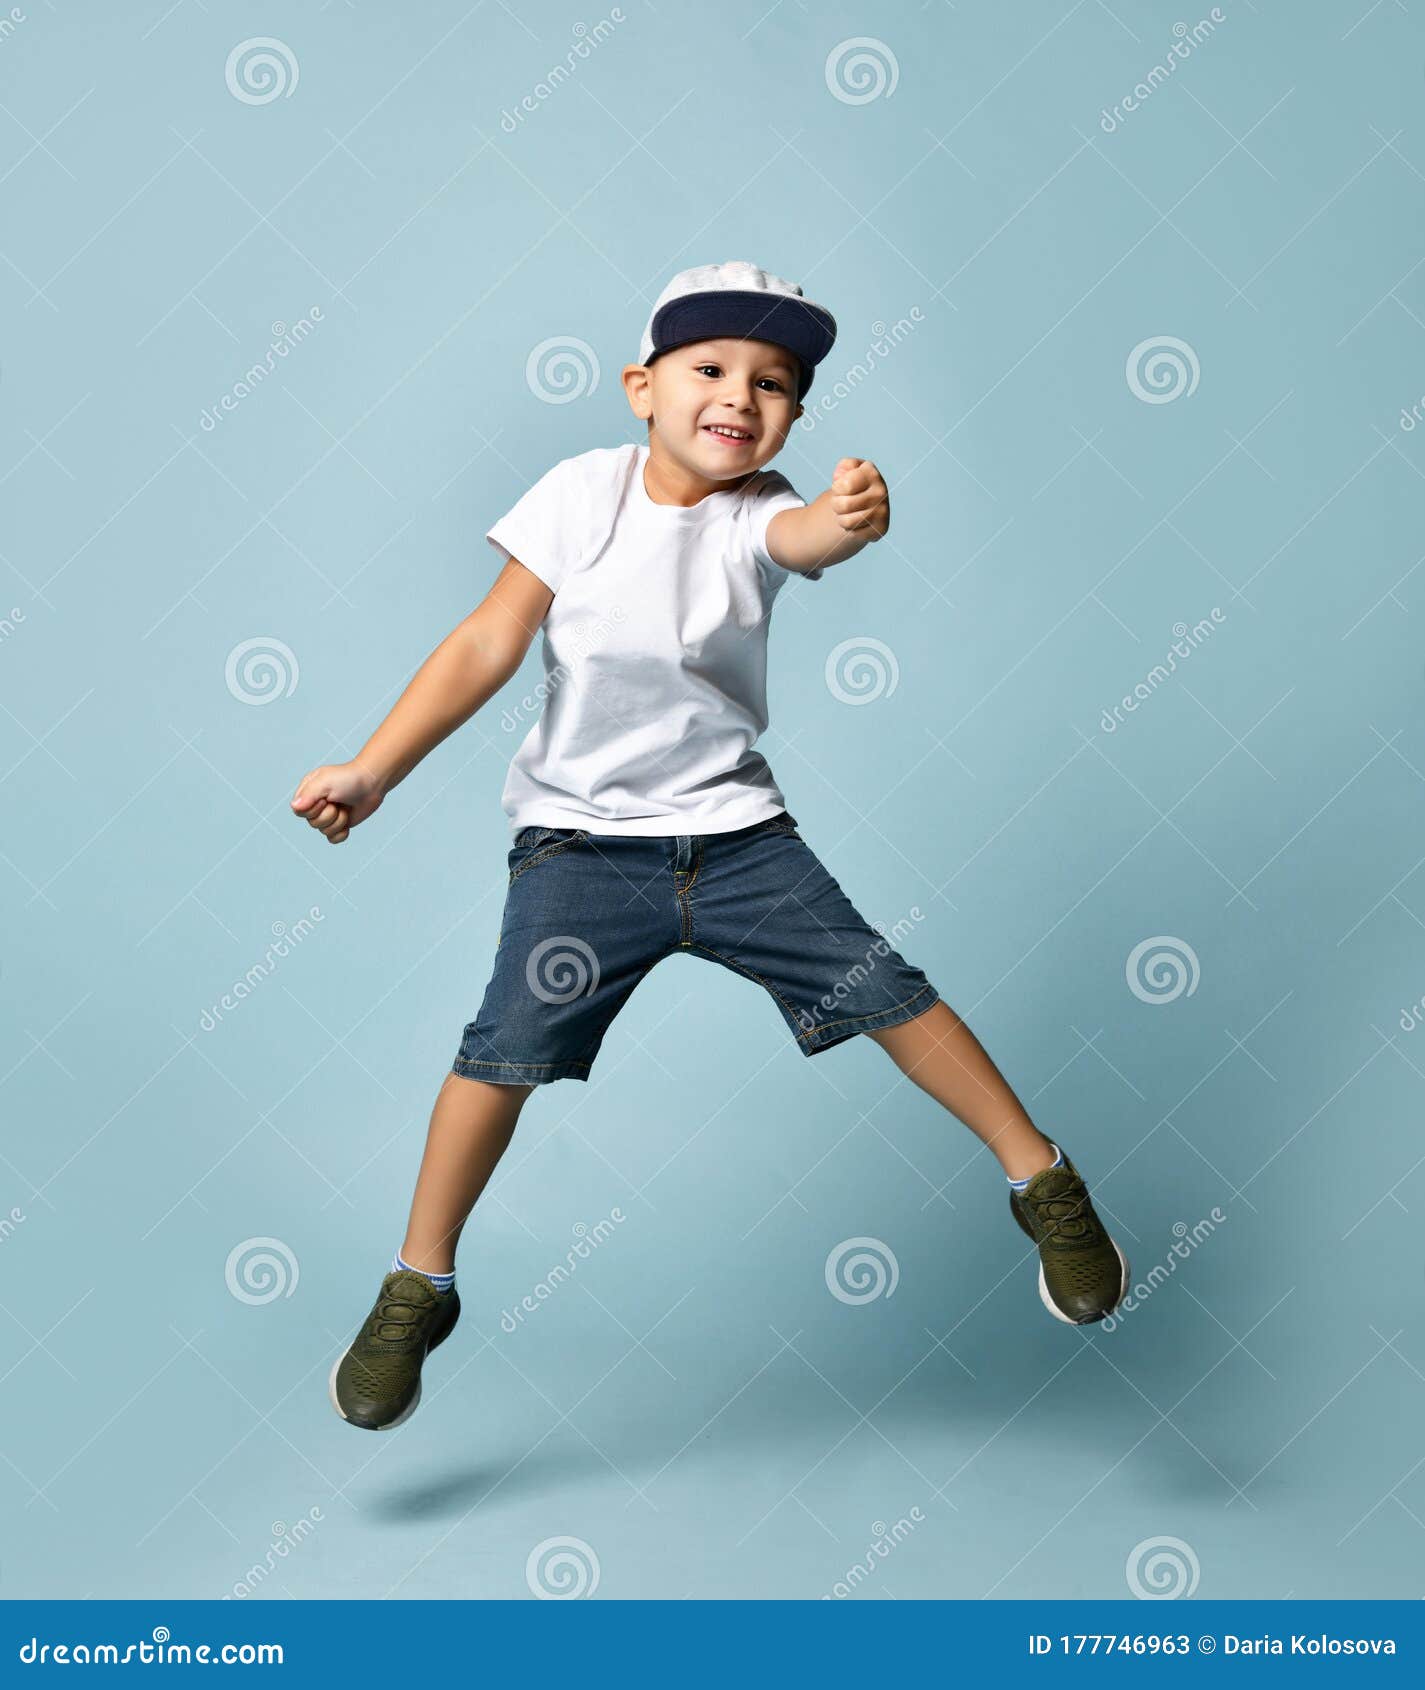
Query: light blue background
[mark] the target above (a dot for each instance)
(694, 1405)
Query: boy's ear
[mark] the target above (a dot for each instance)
(637, 386)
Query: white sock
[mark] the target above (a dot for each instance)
(441, 1281)
(1058, 1162)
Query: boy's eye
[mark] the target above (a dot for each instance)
(713, 369)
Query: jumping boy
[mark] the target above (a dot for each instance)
(643, 822)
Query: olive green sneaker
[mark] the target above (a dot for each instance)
(1083, 1275)
(377, 1382)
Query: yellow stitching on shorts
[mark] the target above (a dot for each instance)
(542, 856)
(697, 869)
(477, 1062)
(687, 902)
(847, 1019)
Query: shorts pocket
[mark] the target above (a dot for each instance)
(529, 836)
(535, 845)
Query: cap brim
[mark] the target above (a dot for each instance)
(806, 330)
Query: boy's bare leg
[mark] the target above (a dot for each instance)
(944, 1058)
(470, 1127)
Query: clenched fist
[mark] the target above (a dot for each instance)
(860, 499)
(335, 798)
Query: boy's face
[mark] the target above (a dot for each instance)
(692, 394)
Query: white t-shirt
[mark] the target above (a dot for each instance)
(655, 650)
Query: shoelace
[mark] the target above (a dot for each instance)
(1066, 1214)
(385, 1316)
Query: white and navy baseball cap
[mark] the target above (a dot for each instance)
(738, 300)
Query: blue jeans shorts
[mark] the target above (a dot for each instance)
(587, 915)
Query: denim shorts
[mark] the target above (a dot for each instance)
(588, 914)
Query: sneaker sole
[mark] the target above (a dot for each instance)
(1069, 1320)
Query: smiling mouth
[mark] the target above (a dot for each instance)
(730, 436)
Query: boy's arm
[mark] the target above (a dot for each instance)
(466, 669)
(850, 514)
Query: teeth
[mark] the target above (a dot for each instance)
(731, 433)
